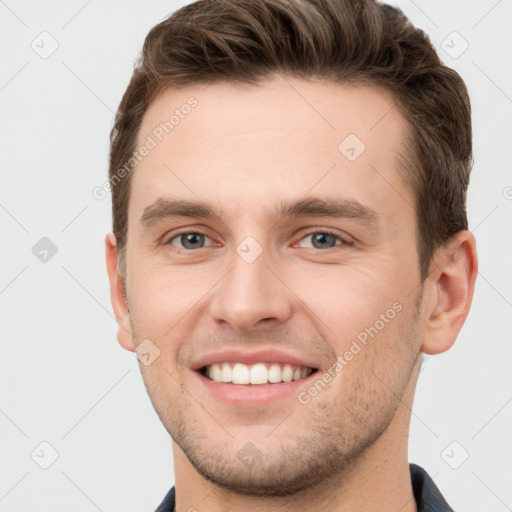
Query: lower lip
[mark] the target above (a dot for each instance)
(252, 395)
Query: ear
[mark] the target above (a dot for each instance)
(450, 288)
(118, 295)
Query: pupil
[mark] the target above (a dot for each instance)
(322, 238)
(192, 239)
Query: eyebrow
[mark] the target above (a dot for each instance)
(166, 208)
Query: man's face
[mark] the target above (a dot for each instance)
(252, 286)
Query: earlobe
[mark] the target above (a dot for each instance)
(451, 284)
(118, 294)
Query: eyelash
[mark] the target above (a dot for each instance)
(322, 231)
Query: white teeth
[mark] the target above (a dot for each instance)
(287, 373)
(259, 373)
(274, 374)
(240, 374)
(227, 373)
(216, 373)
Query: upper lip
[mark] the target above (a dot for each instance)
(252, 357)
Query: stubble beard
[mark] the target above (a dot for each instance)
(333, 439)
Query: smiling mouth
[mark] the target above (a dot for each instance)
(255, 374)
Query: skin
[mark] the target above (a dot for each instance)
(244, 149)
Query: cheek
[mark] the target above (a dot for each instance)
(377, 360)
(167, 306)
(160, 296)
(344, 300)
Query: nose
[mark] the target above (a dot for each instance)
(251, 295)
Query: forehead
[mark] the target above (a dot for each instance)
(255, 145)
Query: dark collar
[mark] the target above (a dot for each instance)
(427, 495)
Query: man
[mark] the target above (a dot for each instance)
(290, 236)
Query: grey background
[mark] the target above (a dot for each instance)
(64, 379)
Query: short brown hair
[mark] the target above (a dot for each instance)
(344, 41)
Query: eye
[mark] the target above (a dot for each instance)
(325, 240)
(190, 240)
